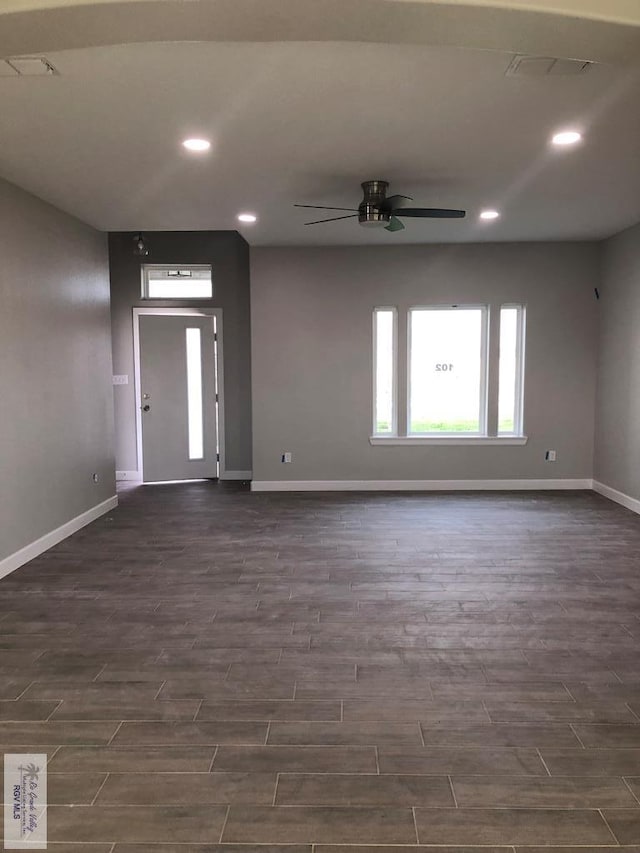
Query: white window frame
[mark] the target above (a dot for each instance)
(482, 400)
(145, 269)
(394, 371)
(490, 363)
(521, 326)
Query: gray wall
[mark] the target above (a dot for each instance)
(56, 414)
(617, 447)
(228, 255)
(311, 344)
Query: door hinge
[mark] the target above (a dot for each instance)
(217, 457)
(217, 398)
(215, 336)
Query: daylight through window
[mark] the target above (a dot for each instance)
(166, 282)
(447, 367)
(448, 364)
(511, 363)
(384, 370)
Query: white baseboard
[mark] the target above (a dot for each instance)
(236, 475)
(34, 549)
(619, 497)
(29, 552)
(414, 485)
(128, 475)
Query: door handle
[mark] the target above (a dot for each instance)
(146, 408)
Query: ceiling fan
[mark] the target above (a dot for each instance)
(378, 210)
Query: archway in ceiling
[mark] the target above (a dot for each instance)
(584, 29)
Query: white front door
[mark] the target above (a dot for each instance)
(178, 397)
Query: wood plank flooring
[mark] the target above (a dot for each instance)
(214, 670)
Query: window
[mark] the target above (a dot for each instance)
(195, 412)
(511, 379)
(447, 352)
(459, 387)
(384, 331)
(165, 282)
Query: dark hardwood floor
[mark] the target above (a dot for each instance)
(214, 670)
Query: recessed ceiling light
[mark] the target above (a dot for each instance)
(197, 144)
(489, 214)
(567, 137)
(247, 217)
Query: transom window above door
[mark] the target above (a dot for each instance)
(176, 282)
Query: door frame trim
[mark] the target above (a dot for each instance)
(178, 312)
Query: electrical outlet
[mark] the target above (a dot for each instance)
(550, 456)
(287, 457)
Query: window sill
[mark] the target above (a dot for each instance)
(446, 440)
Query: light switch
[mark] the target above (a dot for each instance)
(121, 379)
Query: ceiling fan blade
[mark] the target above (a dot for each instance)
(394, 201)
(333, 219)
(394, 225)
(429, 213)
(321, 207)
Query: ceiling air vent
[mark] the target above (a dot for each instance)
(543, 66)
(26, 66)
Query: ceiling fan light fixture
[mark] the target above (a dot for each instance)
(373, 222)
(369, 213)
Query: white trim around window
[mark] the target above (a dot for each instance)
(446, 440)
(482, 386)
(488, 386)
(393, 367)
(176, 281)
(519, 367)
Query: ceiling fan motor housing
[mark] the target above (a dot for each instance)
(370, 214)
(378, 210)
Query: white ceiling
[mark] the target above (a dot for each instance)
(308, 122)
